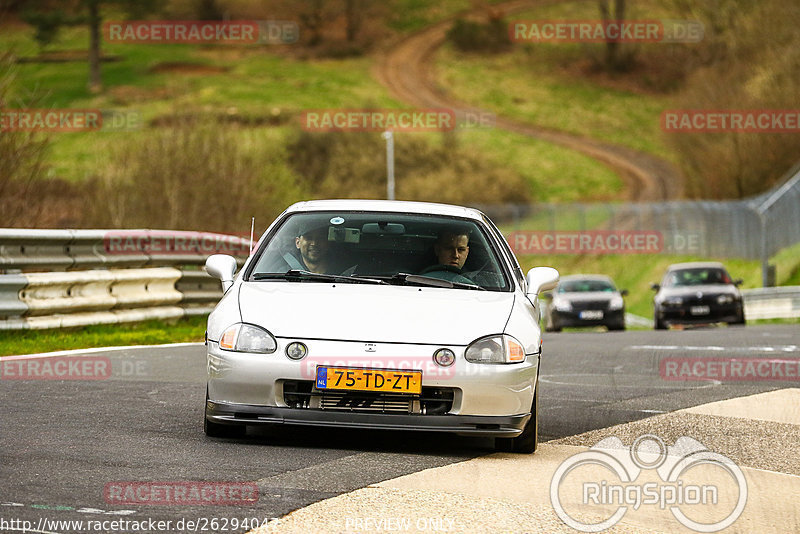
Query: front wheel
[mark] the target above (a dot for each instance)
(528, 441)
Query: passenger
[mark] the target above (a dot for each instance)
(314, 247)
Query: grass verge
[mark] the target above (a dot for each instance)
(636, 273)
(113, 335)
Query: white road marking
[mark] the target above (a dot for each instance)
(715, 348)
(98, 349)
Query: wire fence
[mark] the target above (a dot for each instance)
(754, 228)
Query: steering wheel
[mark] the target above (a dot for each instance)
(451, 273)
(441, 267)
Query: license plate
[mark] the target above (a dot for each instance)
(345, 378)
(591, 314)
(699, 310)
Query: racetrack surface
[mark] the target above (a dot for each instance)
(406, 69)
(61, 442)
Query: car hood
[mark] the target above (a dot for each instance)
(691, 291)
(372, 313)
(586, 295)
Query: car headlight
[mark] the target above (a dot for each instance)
(673, 301)
(724, 299)
(495, 349)
(616, 303)
(562, 305)
(243, 337)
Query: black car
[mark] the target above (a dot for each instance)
(697, 293)
(586, 300)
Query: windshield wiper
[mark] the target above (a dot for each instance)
(416, 279)
(297, 274)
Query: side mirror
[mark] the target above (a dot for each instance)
(738, 282)
(541, 279)
(222, 266)
(655, 287)
(624, 292)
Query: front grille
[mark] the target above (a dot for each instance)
(367, 402)
(432, 401)
(581, 305)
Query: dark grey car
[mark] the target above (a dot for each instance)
(586, 300)
(697, 293)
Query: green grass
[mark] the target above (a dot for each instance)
(636, 272)
(257, 83)
(144, 333)
(540, 83)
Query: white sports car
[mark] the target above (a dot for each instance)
(378, 314)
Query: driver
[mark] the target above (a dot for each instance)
(451, 249)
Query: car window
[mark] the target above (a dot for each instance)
(696, 277)
(580, 286)
(382, 246)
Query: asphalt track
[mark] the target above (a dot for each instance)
(63, 441)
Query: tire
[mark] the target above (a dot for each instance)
(216, 430)
(739, 318)
(616, 327)
(658, 324)
(528, 441)
(550, 323)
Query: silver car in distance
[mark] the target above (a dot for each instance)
(378, 315)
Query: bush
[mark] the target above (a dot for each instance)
(471, 36)
(353, 165)
(22, 156)
(193, 175)
(746, 72)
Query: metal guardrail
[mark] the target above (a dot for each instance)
(772, 303)
(107, 276)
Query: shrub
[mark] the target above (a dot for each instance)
(192, 175)
(353, 165)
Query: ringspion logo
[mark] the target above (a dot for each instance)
(703, 490)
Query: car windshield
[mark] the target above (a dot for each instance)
(696, 277)
(582, 286)
(381, 248)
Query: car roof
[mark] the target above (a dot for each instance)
(392, 206)
(695, 265)
(585, 277)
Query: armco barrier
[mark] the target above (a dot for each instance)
(107, 276)
(772, 302)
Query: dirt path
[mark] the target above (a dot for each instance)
(407, 70)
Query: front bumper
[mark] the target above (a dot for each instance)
(465, 425)
(483, 390)
(573, 319)
(717, 314)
